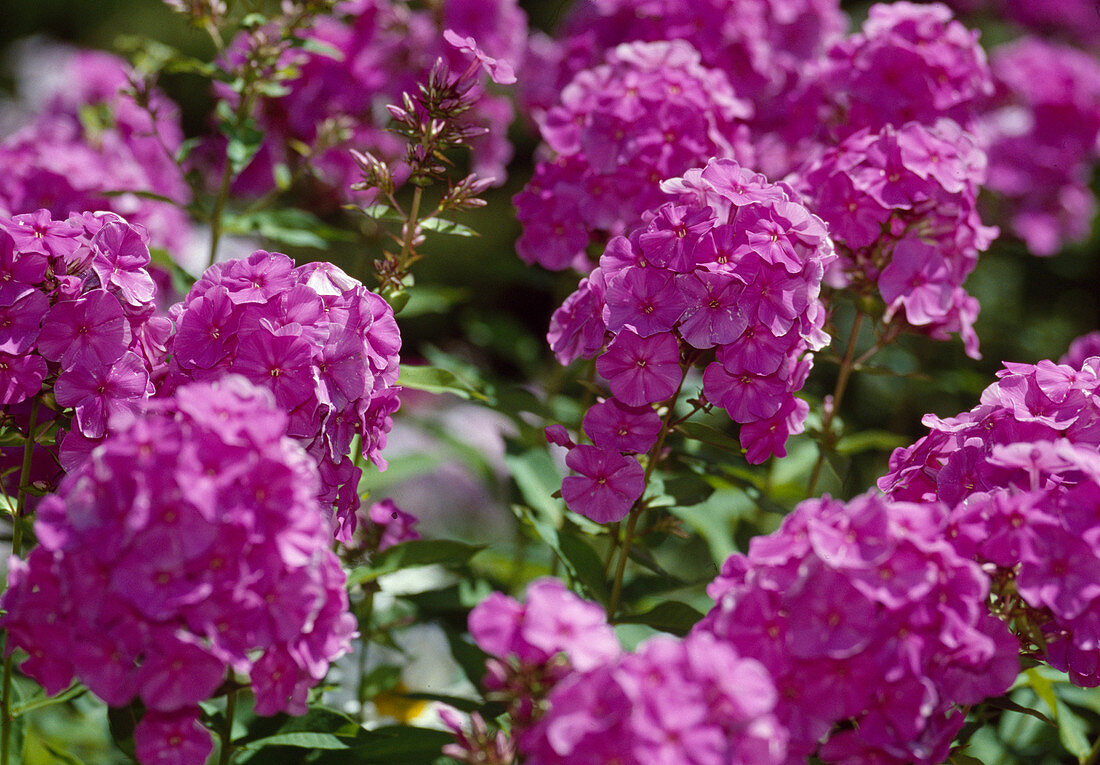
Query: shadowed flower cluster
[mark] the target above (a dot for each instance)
(93, 137)
(534, 645)
(362, 58)
(649, 112)
(901, 204)
(874, 628)
(319, 340)
(686, 701)
(1044, 136)
(1021, 472)
(190, 543)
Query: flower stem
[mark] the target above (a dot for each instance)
(6, 716)
(827, 435)
(620, 570)
(639, 506)
(227, 732)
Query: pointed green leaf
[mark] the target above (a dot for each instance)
(436, 380)
(443, 226)
(669, 616)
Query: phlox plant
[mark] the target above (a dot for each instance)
(645, 382)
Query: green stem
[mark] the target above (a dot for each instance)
(827, 436)
(639, 506)
(410, 229)
(366, 614)
(1093, 757)
(227, 732)
(620, 570)
(6, 716)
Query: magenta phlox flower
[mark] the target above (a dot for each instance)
(121, 255)
(689, 279)
(20, 377)
(613, 425)
(206, 333)
(393, 524)
(61, 159)
(536, 644)
(500, 72)
(714, 314)
(175, 738)
(88, 331)
(21, 310)
(641, 370)
(1020, 471)
(643, 300)
(608, 484)
(98, 393)
(577, 327)
(1043, 128)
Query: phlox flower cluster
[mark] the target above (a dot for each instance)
(762, 46)
(695, 700)
(1045, 547)
(365, 56)
(92, 137)
(909, 62)
(189, 544)
(728, 271)
(648, 112)
(77, 316)
(1072, 20)
(1020, 471)
(1043, 132)
(873, 627)
(325, 346)
(901, 204)
(536, 644)
(1028, 403)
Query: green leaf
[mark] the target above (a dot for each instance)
(869, 440)
(1073, 732)
(58, 755)
(244, 141)
(669, 616)
(314, 45)
(958, 758)
(708, 435)
(401, 745)
(537, 477)
(436, 380)
(688, 489)
(378, 212)
(418, 552)
(297, 228)
(585, 563)
(458, 702)
(1044, 689)
(300, 740)
(443, 226)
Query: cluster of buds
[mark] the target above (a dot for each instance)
(479, 745)
(432, 122)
